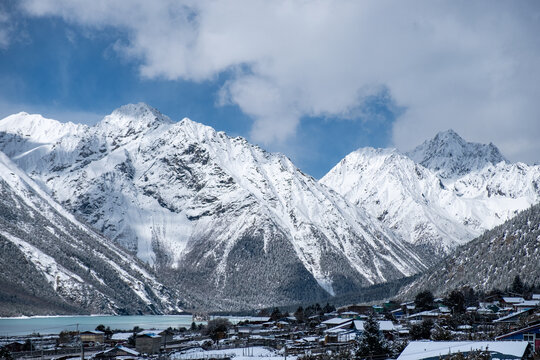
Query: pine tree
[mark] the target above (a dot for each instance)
(424, 300)
(517, 285)
(276, 314)
(372, 342)
(299, 314)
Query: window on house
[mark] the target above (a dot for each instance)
(529, 338)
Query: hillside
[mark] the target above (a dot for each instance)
(54, 264)
(490, 261)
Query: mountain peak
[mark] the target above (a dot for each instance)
(140, 110)
(450, 155)
(449, 136)
(132, 119)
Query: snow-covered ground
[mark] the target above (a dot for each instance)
(237, 354)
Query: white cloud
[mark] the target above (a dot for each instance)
(471, 66)
(5, 29)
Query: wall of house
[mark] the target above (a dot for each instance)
(147, 345)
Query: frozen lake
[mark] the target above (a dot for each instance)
(56, 324)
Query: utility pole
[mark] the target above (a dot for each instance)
(82, 346)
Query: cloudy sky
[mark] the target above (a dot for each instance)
(312, 79)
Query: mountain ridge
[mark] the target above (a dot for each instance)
(426, 206)
(197, 204)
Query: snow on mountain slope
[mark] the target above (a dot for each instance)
(449, 156)
(405, 196)
(234, 222)
(490, 261)
(55, 260)
(436, 209)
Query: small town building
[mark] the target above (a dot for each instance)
(166, 335)
(397, 313)
(148, 343)
(527, 304)
(336, 322)
(118, 351)
(93, 336)
(16, 346)
(513, 317)
(424, 315)
(531, 334)
(512, 300)
(436, 350)
(349, 314)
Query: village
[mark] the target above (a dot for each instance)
(501, 324)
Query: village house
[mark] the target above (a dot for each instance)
(425, 315)
(527, 304)
(349, 314)
(117, 352)
(93, 336)
(531, 334)
(514, 317)
(15, 346)
(436, 350)
(511, 301)
(398, 314)
(166, 335)
(148, 343)
(352, 329)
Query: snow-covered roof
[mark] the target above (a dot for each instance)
(384, 325)
(121, 336)
(511, 315)
(151, 335)
(424, 313)
(95, 332)
(434, 350)
(536, 296)
(258, 318)
(528, 303)
(513, 300)
(349, 313)
(152, 331)
(128, 350)
(519, 331)
(335, 321)
(345, 325)
(337, 330)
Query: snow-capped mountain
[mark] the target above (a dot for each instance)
(230, 221)
(464, 190)
(489, 261)
(55, 264)
(449, 156)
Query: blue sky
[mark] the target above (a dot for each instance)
(283, 74)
